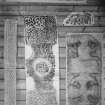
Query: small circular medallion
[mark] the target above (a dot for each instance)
(42, 66)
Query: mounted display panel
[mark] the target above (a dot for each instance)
(41, 60)
(79, 19)
(84, 69)
(50, 1)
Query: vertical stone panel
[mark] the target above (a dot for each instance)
(41, 56)
(84, 69)
(10, 39)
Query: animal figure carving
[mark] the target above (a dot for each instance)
(83, 70)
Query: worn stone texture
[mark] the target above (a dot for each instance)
(17, 10)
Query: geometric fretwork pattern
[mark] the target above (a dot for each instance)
(40, 37)
(83, 69)
(40, 29)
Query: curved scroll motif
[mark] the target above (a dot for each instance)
(83, 70)
(41, 36)
(79, 19)
(40, 29)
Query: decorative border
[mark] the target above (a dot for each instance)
(39, 60)
(79, 19)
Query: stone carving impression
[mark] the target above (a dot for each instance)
(79, 19)
(84, 69)
(41, 60)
